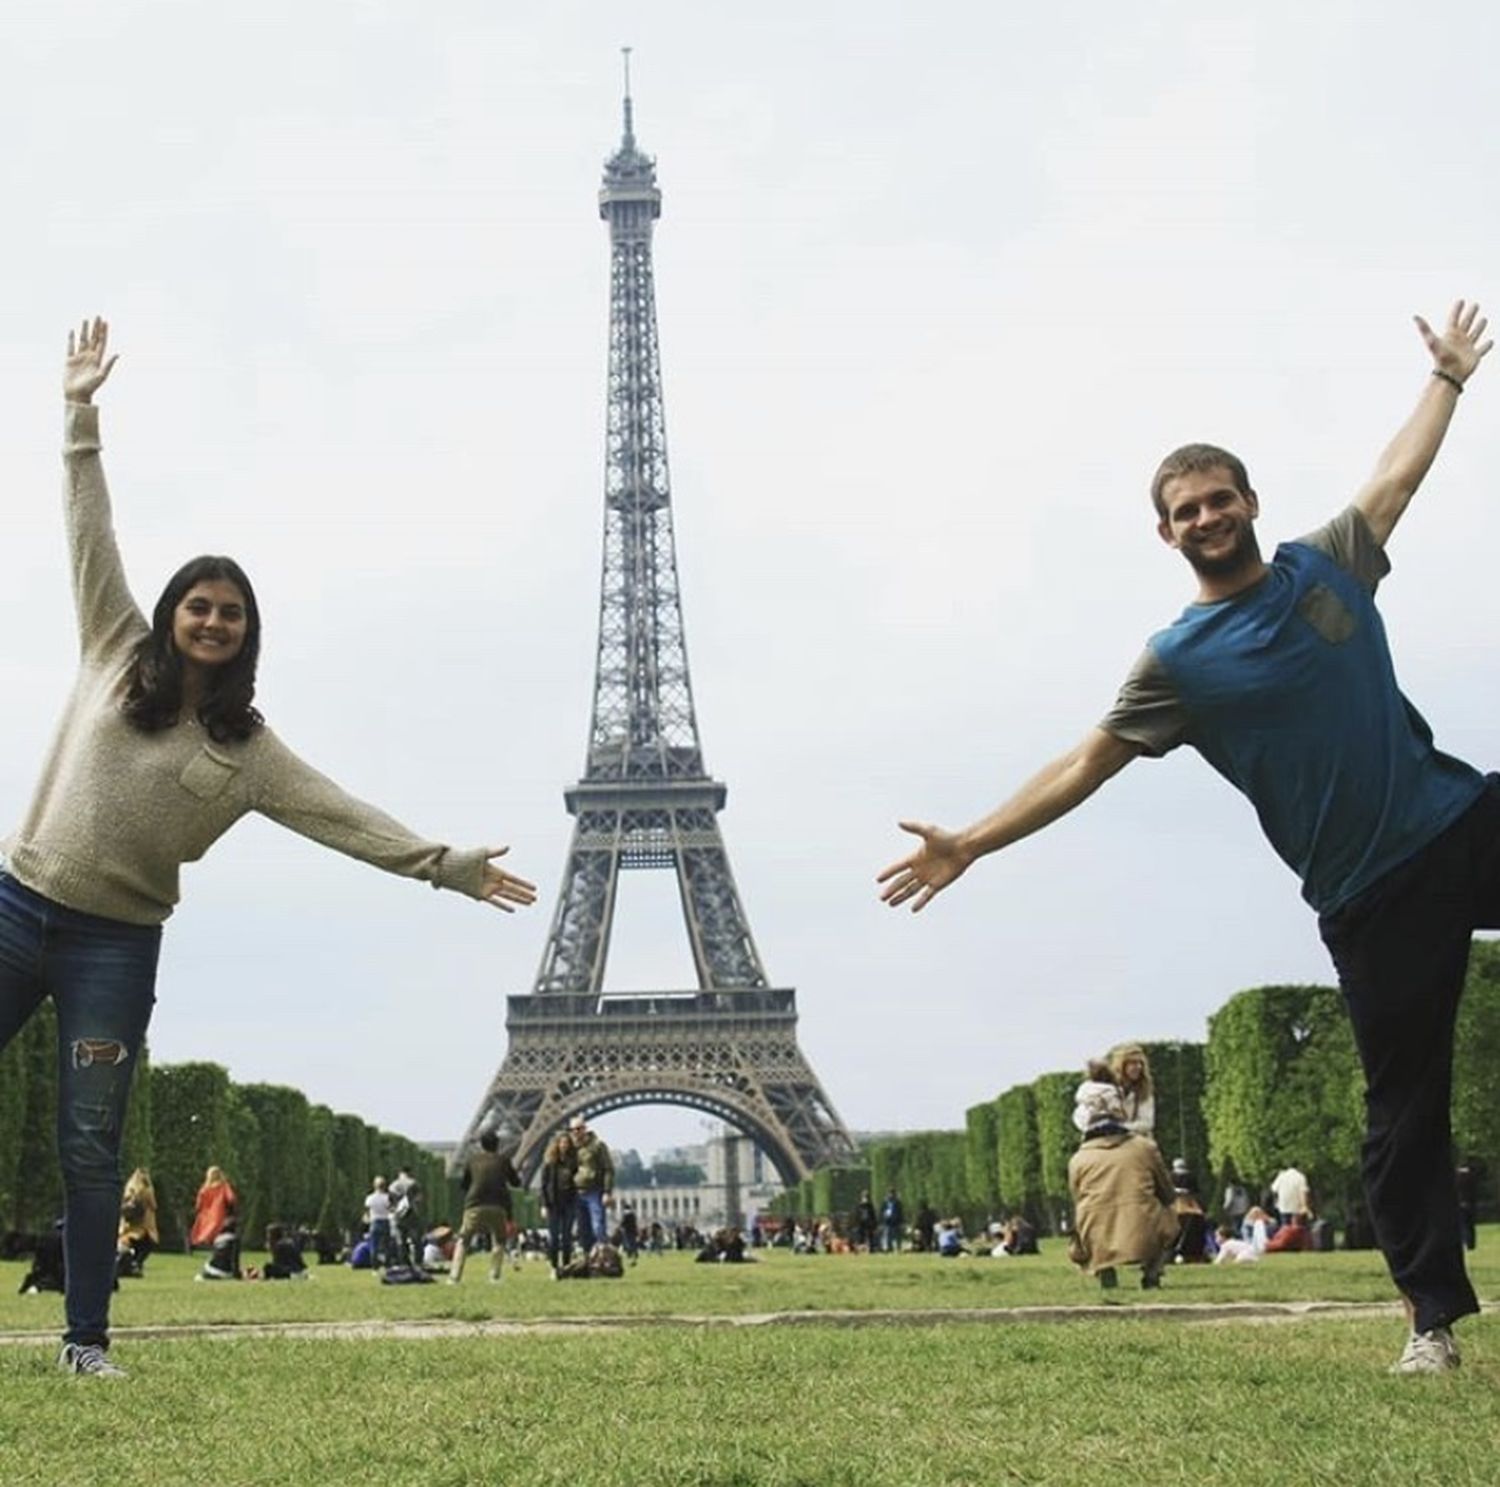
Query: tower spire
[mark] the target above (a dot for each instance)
(628, 143)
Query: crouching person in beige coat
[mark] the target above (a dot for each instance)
(1122, 1194)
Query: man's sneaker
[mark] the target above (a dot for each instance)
(1428, 1352)
(89, 1358)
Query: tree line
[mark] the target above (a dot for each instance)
(1277, 1081)
(291, 1161)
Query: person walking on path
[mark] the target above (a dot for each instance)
(487, 1178)
(1280, 675)
(216, 1202)
(159, 752)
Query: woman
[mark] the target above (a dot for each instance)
(138, 1235)
(559, 1199)
(1133, 1079)
(214, 1206)
(159, 752)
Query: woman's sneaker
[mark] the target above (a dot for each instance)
(1428, 1352)
(88, 1358)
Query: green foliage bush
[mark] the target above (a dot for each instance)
(1177, 1076)
(1057, 1140)
(1476, 1065)
(928, 1166)
(835, 1190)
(189, 1133)
(1019, 1156)
(982, 1156)
(1284, 1086)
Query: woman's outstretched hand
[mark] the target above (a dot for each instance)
(87, 365)
(502, 889)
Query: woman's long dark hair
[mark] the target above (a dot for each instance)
(153, 700)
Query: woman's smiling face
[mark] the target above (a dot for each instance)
(209, 623)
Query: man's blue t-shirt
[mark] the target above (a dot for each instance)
(1288, 690)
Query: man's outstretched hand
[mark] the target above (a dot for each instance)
(87, 365)
(1459, 349)
(920, 877)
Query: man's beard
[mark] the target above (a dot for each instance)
(1243, 555)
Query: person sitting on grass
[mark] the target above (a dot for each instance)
(1292, 1235)
(950, 1239)
(1232, 1250)
(139, 1235)
(285, 1262)
(223, 1262)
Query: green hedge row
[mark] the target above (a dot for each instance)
(290, 1162)
(1277, 1082)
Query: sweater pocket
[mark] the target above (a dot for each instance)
(207, 773)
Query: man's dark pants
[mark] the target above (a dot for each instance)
(1402, 949)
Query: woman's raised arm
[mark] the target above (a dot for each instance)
(108, 618)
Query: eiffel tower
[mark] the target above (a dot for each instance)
(729, 1047)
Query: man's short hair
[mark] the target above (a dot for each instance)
(489, 1141)
(1193, 459)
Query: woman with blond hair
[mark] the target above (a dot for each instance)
(1137, 1094)
(216, 1202)
(138, 1235)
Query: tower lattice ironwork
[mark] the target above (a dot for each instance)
(728, 1047)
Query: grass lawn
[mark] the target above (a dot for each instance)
(939, 1402)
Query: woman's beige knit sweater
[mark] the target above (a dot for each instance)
(117, 811)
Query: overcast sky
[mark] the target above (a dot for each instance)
(937, 287)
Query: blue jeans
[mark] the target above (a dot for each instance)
(560, 1231)
(380, 1242)
(101, 976)
(592, 1228)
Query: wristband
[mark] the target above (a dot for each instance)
(1449, 378)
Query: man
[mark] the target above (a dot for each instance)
(406, 1202)
(594, 1180)
(1122, 1200)
(1279, 674)
(378, 1216)
(630, 1233)
(487, 1178)
(1289, 1192)
(892, 1222)
(926, 1226)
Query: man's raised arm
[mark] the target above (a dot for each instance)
(1054, 791)
(1455, 354)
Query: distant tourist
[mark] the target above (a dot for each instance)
(487, 1178)
(594, 1179)
(216, 1202)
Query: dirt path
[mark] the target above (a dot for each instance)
(1220, 1314)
